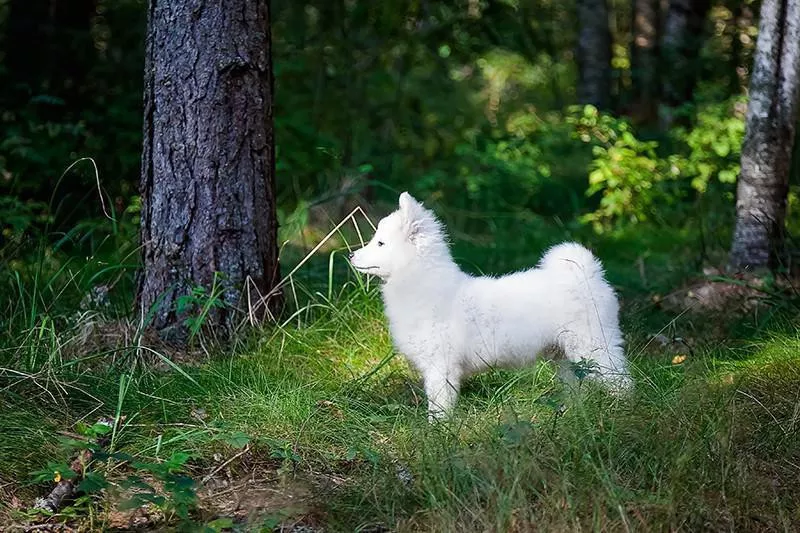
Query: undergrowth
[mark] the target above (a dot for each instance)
(323, 425)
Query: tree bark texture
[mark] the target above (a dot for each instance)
(682, 39)
(644, 56)
(594, 53)
(772, 115)
(207, 183)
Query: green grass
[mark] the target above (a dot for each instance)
(712, 443)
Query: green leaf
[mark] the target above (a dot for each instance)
(71, 444)
(82, 428)
(92, 482)
(177, 460)
(721, 148)
(237, 439)
(136, 482)
(596, 177)
(181, 482)
(140, 500)
(371, 456)
(119, 456)
(99, 429)
(351, 454)
(727, 176)
(220, 523)
(66, 472)
(516, 432)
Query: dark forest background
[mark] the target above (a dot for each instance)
(471, 103)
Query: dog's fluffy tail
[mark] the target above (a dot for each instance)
(571, 255)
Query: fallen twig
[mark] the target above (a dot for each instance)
(223, 465)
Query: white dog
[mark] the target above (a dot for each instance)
(450, 324)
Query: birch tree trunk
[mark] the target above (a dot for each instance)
(594, 54)
(207, 182)
(772, 115)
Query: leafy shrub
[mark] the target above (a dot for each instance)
(636, 181)
(632, 180)
(713, 145)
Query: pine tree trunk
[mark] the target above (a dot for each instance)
(644, 58)
(594, 54)
(682, 39)
(207, 183)
(767, 149)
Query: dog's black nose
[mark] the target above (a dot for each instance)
(351, 255)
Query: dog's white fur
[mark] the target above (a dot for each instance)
(450, 324)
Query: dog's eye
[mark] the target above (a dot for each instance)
(380, 243)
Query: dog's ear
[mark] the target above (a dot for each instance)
(412, 213)
(408, 205)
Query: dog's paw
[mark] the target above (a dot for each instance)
(436, 415)
(618, 384)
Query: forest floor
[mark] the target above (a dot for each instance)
(317, 426)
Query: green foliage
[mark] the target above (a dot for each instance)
(84, 99)
(237, 439)
(20, 223)
(713, 145)
(201, 301)
(458, 102)
(32, 147)
(509, 173)
(177, 494)
(94, 431)
(164, 485)
(632, 179)
(19, 216)
(636, 181)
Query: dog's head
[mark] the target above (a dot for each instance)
(408, 237)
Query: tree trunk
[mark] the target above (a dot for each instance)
(644, 58)
(767, 149)
(594, 54)
(208, 229)
(683, 36)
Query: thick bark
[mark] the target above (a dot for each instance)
(207, 184)
(644, 57)
(766, 152)
(682, 38)
(594, 53)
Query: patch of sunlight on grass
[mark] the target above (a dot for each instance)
(759, 357)
(28, 439)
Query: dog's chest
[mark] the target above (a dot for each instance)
(419, 335)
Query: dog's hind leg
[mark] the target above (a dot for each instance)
(605, 356)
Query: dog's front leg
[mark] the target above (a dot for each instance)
(442, 391)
